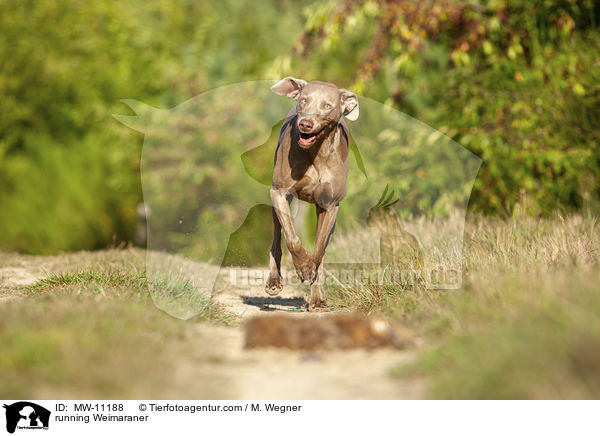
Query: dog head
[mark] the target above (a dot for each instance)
(320, 107)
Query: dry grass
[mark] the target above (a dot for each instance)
(526, 323)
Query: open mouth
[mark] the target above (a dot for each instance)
(308, 139)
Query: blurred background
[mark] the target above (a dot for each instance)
(517, 83)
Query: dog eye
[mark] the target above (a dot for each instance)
(327, 106)
(303, 100)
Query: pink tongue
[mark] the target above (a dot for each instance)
(307, 141)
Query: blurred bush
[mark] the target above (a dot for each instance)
(516, 82)
(69, 172)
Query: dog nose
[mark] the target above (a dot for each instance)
(305, 125)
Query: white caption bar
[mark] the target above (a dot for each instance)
(23, 417)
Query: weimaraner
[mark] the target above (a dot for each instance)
(311, 163)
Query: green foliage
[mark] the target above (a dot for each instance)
(515, 82)
(69, 173)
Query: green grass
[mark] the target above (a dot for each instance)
(131, 282)
(132, 285)
(95, 332)
(82, 347)
(526, 323)
(516, 335)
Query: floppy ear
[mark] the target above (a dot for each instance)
(289, 87)
(349, 104)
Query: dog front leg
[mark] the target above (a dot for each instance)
(303, 263)
(325, 224)
(316, 299)
(274, 283)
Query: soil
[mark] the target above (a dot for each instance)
(220, 368)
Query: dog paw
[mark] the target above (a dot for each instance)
(273, 286)
(316, 304)
(306, 268)
(307, 271)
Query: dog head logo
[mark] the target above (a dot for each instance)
(26, 415)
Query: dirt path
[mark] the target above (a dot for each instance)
(282, 374)
(220, 368)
